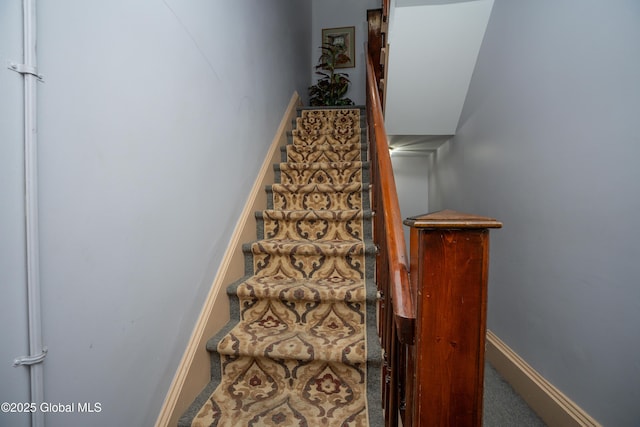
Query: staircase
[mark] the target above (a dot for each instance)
(301, 348)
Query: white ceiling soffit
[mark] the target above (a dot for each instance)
(432, 54)
(409, 3)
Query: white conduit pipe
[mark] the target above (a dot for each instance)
(36, 350)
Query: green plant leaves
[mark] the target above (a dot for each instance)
(331, 87)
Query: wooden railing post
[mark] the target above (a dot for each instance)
(449, 273)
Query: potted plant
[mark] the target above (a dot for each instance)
(332, 86)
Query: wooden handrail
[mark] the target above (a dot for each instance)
(401, 296)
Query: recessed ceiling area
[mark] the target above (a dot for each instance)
(433, 47)
(408, 3)
(416, 145)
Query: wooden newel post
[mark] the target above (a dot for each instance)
(449, 270)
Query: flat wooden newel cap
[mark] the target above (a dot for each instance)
(451, 219)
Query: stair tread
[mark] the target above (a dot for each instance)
(326, 146)
(298, 214)
(309, 138)
(309, 259)
(313, 225)
(317, 196)
(361, 108)
(324, 152)
(317, 393)
(321, 165)
(321, 172)
(309, 247)
(320, 188)
(318, 131)
(271, 334)
(285, 288)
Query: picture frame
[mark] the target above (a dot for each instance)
(342, 35)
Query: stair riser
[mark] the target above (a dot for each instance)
(320, 266)
(326, 175)
(310, 394)
(316, 200)
(305, 111)
(326, 121)
(321, 153)
(294, 289)
(315, 137)
(312, 226)
(305, 261)
(286, 330)
(361, 108)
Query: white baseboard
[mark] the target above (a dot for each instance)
(194, 369)
(551, 405)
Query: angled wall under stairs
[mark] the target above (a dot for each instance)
(301, 347)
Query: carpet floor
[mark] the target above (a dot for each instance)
(502, 406)
(301, 348)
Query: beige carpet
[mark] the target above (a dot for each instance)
(301, 349)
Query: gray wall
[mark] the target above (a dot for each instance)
(549, 144)
(340, 13)
(154, 120)
(410, 175)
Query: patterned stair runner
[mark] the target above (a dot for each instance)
(301, 348)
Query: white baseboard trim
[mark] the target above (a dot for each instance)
(194, 369)
(551, 405)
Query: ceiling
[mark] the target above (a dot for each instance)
(433, 47)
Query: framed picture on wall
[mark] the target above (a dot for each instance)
(345, 36)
